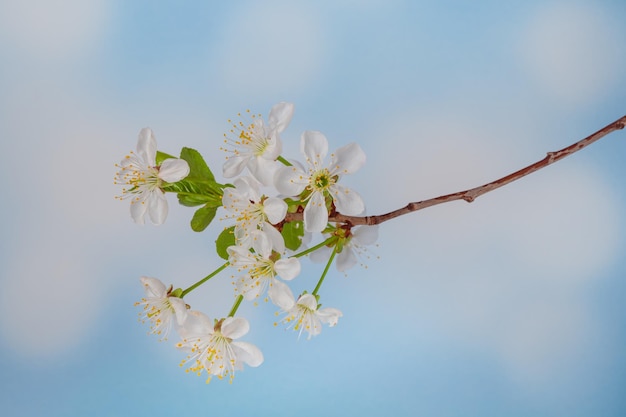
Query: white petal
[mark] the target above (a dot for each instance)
(320, 255)
(138, 209)
(281, 295)
(180, 309)
(173, 169)
(315, 213)
(157, 206)
(248, 187)
(280, 116)
(314, 147)
(273, 146)
(232, 199)
(261, 243)
(329, 315)
(146, 146)
(248, 288)
(234, 165)
(290, 181)
(347, 159)
(278, 242)
(347, 202)
(153, 287)
(275, 209)
(309, 301)
(263, 169)
(288, 268)
(365, 235)
(235, 327)
(236, 252)
(346, 259)
(248, 353)
(197, 324)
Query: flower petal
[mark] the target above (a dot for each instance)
(248, 353)
(138, 209)
(346, 259)
(281, 295)
(157, 206)
(234, 165)
(180, 309)
(263, 169)
(347, 159)
(153, 287)
(173, 170)
(365, 235)
(146, 146)
(320, 255)
(278, 242)
(329, 315)
(309, 301)
(235, 252)
(347, 202)
(288, 268)
(314, 146)
(275, 209)
(290, 181)
(280, 116)
(261, 243)
(197, 324)
(315, 213)
(235, 327)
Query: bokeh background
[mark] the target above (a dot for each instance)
(512, 305)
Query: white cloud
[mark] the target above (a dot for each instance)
(571, 50)
(270, 46)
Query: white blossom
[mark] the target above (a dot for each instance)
(160, 308)
(354, 246)
(212, 347)
(260, 269)
(257, 145)
(304, 314)
(142, 179)
(254, 212)
(320, 181)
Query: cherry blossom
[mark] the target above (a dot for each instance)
(319, 182)
(257, 144)
(162, 309)
(142, 179)
(212, 347)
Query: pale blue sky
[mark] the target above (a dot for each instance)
(510, 306)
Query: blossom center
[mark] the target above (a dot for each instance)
(140, 179)
(321, 180)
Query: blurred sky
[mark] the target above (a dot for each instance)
(513, 305)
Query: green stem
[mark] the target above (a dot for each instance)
(316, 247)
(283, 161)
(205, 279)
(330, 261)
(235, 306)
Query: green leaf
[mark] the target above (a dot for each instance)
(162, 156)
(193, 193)
(292, 233)
(224, 240)
(198, 169)
(202, 218)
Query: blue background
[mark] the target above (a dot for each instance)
(513, 305)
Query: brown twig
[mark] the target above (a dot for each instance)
(473, 193)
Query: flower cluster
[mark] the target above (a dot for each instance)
(274, 208)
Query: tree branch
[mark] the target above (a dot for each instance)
(473, 193)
